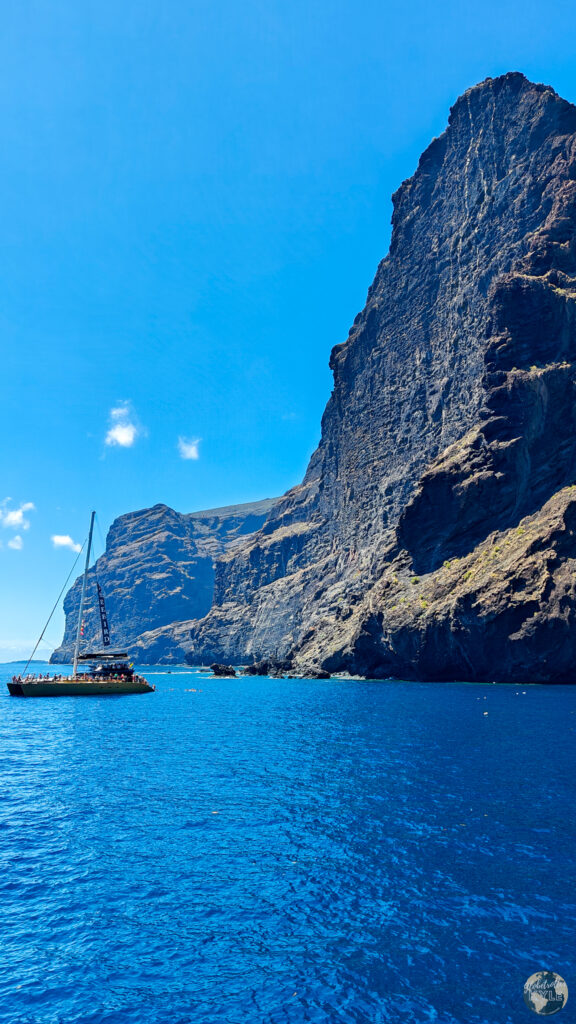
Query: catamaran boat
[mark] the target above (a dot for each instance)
(101, 673)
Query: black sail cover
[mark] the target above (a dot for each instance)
(103, 618)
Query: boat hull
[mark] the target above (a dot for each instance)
(77, 688)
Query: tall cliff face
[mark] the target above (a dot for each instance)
(452, 414)
(158, 568)
(434, 535)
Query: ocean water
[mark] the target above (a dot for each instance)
(258, 851)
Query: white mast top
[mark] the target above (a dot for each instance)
(77, 645)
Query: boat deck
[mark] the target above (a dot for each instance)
(77, 686)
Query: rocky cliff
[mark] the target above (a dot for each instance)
(433, 535)
(158, 568)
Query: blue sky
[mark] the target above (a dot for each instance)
(195, 196)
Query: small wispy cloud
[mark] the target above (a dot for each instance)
(188, 448)
(124, 428)
(15, 518)
(62, 540)
(16, 543)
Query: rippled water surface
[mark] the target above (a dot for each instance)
(253, 850)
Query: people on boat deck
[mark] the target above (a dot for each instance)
(30, 678)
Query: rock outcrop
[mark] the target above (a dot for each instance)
(451, 420)
(504, 612)
(158, 568)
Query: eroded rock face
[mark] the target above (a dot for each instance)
(505, 612)
(452, 415)
(158, 568)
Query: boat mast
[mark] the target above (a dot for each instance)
(77, 645)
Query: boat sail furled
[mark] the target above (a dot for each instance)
(107, 672)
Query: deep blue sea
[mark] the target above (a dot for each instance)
(258, 851)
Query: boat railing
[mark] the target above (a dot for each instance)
(86, 677)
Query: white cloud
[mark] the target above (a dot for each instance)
(15, 518)
(124, 428)
(189, 447)
(16, 543)
(123, 435)
(64, 541)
